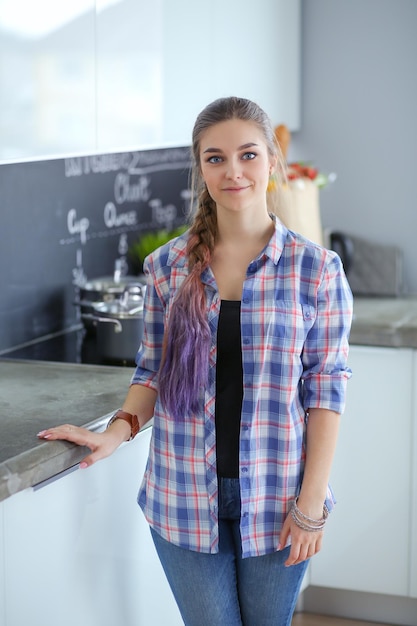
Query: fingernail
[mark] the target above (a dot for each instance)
(83, 465)
(279, 546)
(42, 435)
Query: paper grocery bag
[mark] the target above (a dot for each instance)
(298, 208)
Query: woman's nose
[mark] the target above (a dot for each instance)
(233, 170)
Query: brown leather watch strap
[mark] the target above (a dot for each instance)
(132, 420)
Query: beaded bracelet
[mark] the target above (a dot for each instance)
(308, 523)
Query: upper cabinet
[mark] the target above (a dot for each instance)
(110, 75)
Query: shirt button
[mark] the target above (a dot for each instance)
(244, 469)
(246, 341)
(252, 268)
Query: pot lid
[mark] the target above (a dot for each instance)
(130, 305)
(108, 284)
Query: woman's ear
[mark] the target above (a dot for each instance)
(273, 165)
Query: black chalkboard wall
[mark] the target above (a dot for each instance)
(71, 217)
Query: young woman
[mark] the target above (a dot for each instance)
(243, 369)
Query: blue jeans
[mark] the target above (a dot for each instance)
(223, 589)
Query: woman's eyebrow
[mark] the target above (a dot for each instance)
(244, 146)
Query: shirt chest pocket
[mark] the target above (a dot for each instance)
(292, 322)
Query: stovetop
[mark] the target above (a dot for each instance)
(73, 345)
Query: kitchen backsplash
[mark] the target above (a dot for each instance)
(64, 220)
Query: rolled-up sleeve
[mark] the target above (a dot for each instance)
(148, 357)
(326, 349)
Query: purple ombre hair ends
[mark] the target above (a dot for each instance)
(185, 362)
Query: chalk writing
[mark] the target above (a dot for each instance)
(73, 167)
(78, 274)
(123, 246)
(132, 162)
(164, 215)
(77, 227)
(112, 218)
(126, 191)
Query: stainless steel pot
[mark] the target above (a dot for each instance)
(104, 289)
(119, 325)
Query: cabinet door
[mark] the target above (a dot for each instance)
(413, 492)
(366, 543)
(136, 73)
(2, 576)
(160, 63)
(79, 550)
(47, 78)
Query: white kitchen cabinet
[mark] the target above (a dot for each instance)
(107, 76)
(367, 539)
(78, 551)
(2, 576)
(228, 49)
(48, 84)
(413, 491)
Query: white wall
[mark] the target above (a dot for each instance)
(359, 116)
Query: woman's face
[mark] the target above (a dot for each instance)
(236, 165)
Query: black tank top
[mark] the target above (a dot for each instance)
(229, 389)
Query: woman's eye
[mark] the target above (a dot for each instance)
(214, 159)
(248, 156)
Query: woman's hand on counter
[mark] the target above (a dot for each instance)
(140, 400)
(101, 444)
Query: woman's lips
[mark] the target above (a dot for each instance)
(235, 189)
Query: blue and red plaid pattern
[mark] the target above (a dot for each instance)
(296, 313)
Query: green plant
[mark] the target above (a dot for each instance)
(148, 242)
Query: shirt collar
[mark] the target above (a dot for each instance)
(276, 244)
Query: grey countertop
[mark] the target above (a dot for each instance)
(38, 394)
(35, 395)
(390, 322)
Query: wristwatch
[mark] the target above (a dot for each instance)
(132, 420)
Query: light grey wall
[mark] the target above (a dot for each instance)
(359, 117)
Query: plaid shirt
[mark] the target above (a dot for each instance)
(296, 312)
